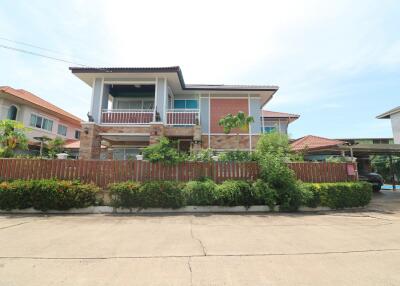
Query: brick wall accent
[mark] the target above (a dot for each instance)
(90, 142)
(229, 142)
(221, 107)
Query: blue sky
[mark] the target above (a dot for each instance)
(337, 62)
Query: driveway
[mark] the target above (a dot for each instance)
(342, 248)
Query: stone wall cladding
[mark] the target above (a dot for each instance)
(229, 142)
(90, 145)
(125, 129)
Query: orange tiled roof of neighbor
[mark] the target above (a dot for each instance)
(30, 97)
(274, 114)
(311, 142)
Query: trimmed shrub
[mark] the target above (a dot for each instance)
(234, 193)
(126, 194)
(157, 194)
(46, 194)
(338, 195)
(200, 193)
(162, 194)
(263, 194)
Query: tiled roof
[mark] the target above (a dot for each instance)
(35, 100)
(73, 145)
(175, 69)
(311, 142)
(274, 114)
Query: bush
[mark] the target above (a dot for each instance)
(263, 194)
(337, 195)
(236, 156)
(200, 193)
(163, 151)
(234, 193)
(281, 178)
(126, 194)
(158, 194)
(46, 194)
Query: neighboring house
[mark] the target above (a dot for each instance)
(133, 107)
(276, 121)
(354, 141)
(394, 116)
(40, 116)
(317, 148)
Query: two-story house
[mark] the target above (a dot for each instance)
(133, 107)
(394, 116)
(41, 117)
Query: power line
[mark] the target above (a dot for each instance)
(41, 55)
(29, 45)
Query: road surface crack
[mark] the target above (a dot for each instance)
(190, 269)
(198, 239)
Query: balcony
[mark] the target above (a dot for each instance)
(127, 116)
(183, 117)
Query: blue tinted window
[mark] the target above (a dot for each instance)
(269, 129)
(191, 104)
(179, 103)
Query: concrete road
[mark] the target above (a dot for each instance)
(338, 248)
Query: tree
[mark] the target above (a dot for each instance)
(12, 137)
(55, 146)
(277, 144)
(239, 122)
(163, 151)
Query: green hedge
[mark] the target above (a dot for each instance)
(336, 195)
(199, 193)
(156, 194)
(46, 194)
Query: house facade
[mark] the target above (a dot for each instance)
(272, 121)
(41, 117)
(133, 107)
(394, 116)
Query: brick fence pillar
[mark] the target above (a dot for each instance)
(90, 146)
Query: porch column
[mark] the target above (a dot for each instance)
(90, 145)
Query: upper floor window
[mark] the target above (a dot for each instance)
(135, 104)
(12, 112)
(269, 129)
(186, 104)
(62, 130)
(77, 134)
(41, 122)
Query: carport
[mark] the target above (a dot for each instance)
(363, 151)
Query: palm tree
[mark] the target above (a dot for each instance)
(239, 122)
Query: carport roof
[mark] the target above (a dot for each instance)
(374, 149)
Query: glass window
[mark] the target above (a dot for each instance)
(186, 104)
(191, 104)
(269, 129)
(40, 122)
(147, 104)
(62, 130)
(12, 113)
(179, 103)
(47, 124)
(77, 134)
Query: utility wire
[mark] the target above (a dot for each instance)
(29, 45)
(41, 55)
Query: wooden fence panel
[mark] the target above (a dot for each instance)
(103, 173)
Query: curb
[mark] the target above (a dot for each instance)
(187, 209)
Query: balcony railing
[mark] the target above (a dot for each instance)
(127, 116)
(183, 117)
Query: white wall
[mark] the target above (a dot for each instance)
(395, 119)
(24, 115)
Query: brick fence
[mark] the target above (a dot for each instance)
(103, 173)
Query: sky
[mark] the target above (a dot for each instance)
(337, 63)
